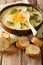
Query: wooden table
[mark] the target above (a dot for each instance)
(17, 57)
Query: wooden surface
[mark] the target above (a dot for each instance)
(18, 57)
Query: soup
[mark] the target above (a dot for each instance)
(15, 17)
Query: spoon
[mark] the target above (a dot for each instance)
(27, 16)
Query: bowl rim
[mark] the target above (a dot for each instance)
(17, 4)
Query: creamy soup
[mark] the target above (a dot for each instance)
(14, 17)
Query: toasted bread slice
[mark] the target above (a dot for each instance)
(6, 35)
(22, 42)
(3, 45)
(36, 41)
(32, 50)
(4, 41)
(11, 48)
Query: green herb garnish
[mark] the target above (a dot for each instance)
(13, 11)
(22, 25)
(10, 22)
(30, 9)
(34, 17)
(20, 10)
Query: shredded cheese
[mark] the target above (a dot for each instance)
(18, 17)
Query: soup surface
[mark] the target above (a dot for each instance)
(15, 17)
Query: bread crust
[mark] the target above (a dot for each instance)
(37, 42)
(30, 50)
(6, 35)
(22, 42)
(4, 41)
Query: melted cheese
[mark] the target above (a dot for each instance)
(18, 17)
